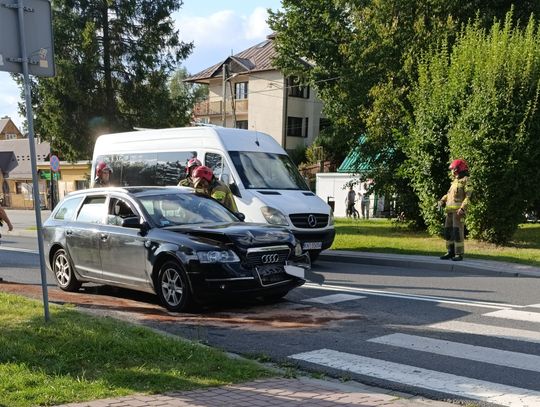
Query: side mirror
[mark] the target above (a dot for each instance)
(234, 189)
(240, 216)
(225, 178)
(133, 222)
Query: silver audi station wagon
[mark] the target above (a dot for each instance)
(184, 247)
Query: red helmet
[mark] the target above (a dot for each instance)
(100, 167)
(459, 165)
(203, 172)
(193, 162)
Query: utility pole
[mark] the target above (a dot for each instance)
(224, 103)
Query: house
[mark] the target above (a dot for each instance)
(8, 129)
(246, 91)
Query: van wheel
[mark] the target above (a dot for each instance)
(173, 287)
(64, 272)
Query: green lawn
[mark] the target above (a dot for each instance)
(76, 357)
(382, 235)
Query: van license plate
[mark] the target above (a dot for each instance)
(312, 245)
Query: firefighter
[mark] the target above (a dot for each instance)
(103, 173)
(191, 165)
(207, 184)
(455, 203)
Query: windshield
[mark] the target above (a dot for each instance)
(185, 209)
(267, 171)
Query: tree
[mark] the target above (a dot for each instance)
(363, 55)
(479, 101)
(185, 95)
(113, 60)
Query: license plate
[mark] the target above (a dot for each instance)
(312, 245)
(265, 271)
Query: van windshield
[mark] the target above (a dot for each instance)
(267, 171)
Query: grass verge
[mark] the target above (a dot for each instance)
(385, 236)
(77, 357)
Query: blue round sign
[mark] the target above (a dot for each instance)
(55, 163)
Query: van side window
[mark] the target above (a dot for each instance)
(163, 168)
(219, 167)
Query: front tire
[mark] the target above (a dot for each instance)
(64, 272)
(172, 287)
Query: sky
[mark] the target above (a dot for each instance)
(217, 28)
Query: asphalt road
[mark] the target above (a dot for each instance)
(445, 335)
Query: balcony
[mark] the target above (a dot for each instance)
(208, 108)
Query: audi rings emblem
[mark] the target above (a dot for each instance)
(312, 220)
(270, 258)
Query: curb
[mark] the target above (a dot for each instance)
(430, 263)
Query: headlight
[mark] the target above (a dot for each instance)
(298, 249)
(215, 256)
(274, 216)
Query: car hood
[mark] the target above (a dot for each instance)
(240, 233)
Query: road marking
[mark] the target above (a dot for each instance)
(333, 298)
(488, 330)
(423, 378)
(515, 315)
(16, 249)
(462, 351)
(534, 306)
(415, 297)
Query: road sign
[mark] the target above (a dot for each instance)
(55, 163)
(38, 36)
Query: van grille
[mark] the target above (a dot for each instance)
(309, 220)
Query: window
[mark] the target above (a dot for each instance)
(11, 136)
(118, 211)
(306, 128)
(242, 124)
(92, 210)
(166, 168)
(18, 187)
(79, 184)
(294, 126)
(219, 167)
(241, 90)
(296, 90)
(67, 209)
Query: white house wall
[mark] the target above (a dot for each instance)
(333, 184)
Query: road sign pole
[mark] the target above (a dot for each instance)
(31, 141)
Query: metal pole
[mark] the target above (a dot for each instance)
(35, 189)
(224, 105)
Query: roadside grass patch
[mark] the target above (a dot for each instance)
(76, 357)
(385, 236)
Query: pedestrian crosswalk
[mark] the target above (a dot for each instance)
(456, 358)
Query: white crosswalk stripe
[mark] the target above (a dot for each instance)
(462, 351)
(488, 330)
(423, 378)
(334, 298)
(515, 315)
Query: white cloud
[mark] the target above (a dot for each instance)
(256, 27)
(218, 35)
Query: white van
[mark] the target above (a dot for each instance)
(266, 184)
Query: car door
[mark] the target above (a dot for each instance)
(82, 236)
(123, 251)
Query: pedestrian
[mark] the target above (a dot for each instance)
(4, 218)
(206, 183)
(455, 203)
(364, 203)
(103, 175)
(349, 201)
(190, 167)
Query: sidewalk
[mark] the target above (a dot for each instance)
(300, 391)
(273, 393)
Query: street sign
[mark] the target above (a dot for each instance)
(38, 36)
(55, 163)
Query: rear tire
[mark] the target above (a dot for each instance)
(64, 273)
(172, 287)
